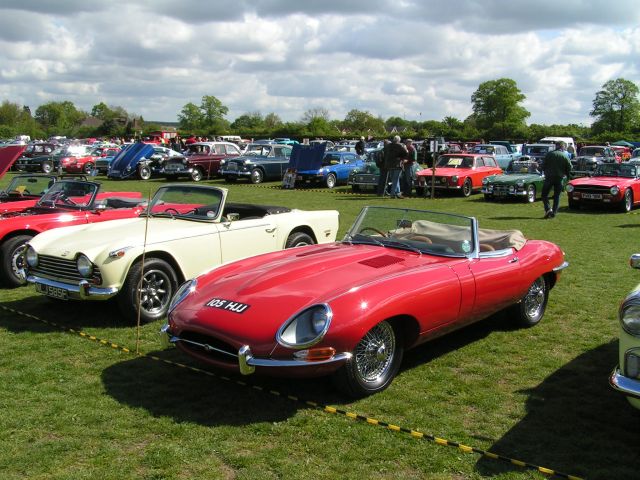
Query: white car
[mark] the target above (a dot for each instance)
(185, 231)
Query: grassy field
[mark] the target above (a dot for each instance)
(75, 408)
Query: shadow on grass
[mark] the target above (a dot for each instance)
(188, 396)
(575, 423)
(629, 225)
(77, 315)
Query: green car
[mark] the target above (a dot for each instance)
(366, 177)
(522, 180)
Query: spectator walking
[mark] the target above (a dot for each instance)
(382, 177)
(407, 177)
(394, 155)
(555, 167)
(360, 146)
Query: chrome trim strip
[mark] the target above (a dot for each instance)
(81, 291)
(561, 267)
(628, 386)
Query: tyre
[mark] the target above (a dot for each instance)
(298, 239)
(87, 168)
(144, 172)
(155, 289)
(196, 174)
(12, 268)
(375, 362)
(627, 201)
(257, 176)
(331, 180)
(531, 194)
(531, 308)
(466, 187)
(47, 167)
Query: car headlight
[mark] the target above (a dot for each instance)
(247, 162)
(614, 190)
(305, 328)
(454, 179)
(630, 318)
(223, 162)
(512, 189)
(84, 265)
(31, 257)
(186, 289)
(569, 188)
(485, 180)
(520, 183)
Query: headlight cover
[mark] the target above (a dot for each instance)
(31, 257)
(614, 190)
(306, 328)
(630, 317)
(84, 265)
(569, 188)
(186, 289)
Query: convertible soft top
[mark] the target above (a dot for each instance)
(498, 239)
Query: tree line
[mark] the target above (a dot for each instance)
(496, 105)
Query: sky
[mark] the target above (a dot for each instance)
(419, 60)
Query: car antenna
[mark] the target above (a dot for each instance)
(139, 289)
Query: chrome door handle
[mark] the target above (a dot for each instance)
(513, 260)
(270, 230)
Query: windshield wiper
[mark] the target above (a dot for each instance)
(366, 240)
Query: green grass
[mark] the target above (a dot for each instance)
(73, 408)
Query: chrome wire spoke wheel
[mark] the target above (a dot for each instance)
(154, 291)
(535, 300)
(375, 352)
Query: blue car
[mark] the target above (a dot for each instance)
(335, 169)
(127, 162)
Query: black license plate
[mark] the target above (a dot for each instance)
(51, 291)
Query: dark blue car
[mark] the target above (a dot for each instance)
(335, 169)
(126, 163)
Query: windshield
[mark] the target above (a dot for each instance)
(592, 151)
(536, 149)
(616, 170)
(490, 149)
(188, 201)
(455, 161)
(30, 186)
(263, 150)
(330, 159)
(523, 167)
(69, 194)
(416, 230)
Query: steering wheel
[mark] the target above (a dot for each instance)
(374, 230)
(171, 209)
(67, 200)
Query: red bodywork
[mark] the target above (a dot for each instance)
(8, 156)
(23, 206)
(78, 164)
(597, 190)
(363, 285)
(479, 166)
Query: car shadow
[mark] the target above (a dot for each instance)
(629, 225)
(52, 315)
(212, 399)
(575, 423)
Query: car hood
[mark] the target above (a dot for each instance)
(124, 163)
(277, 285)
(8, 156)
(600, 181)
(509, 179)
(445, 172)
(116, 234)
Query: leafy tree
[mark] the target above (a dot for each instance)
(114, 120)
(61, 118)
(317, 112)
(496, 108)
(362, 123)
(248, 123)
(190, 117)
(212, 110)
(272, 121)
(616, 106)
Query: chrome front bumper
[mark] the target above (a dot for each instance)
(246, 361)
(82, 291)
(628, 386)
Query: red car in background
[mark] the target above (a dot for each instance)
(612, 184)
(66, 202)
(460, 172)
(349, 309)
(82, 161)
(624, 153)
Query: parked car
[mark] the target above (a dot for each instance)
(625, 377)
(38, 149)
(54, 160)
(612, 184)
(8, 156)
(590, 157)
(82, 161)
(536, 152)
(187, 229)
(635, 154)
(349, 309)
(502, 156)
(511, 148)
(522, 180)
(200, 161)
(66, 202)
(335, 169)
(131, 161)
(259, 162)
(461, 172)
(622, 152)
(367, 175)
(24, 190)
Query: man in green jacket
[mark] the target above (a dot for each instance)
(556, 166)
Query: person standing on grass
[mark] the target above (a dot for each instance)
(394, 155)
(555, 167)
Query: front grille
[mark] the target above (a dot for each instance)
(591, 189)
(62, 269)
(500, 189)
(202, 342)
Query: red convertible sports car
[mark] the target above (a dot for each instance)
(399, 278)
(67, 202)
(462, 172)
(612, 184)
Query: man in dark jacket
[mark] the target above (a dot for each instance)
(556, 166)
(394, 155)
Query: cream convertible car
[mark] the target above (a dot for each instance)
(187, 230)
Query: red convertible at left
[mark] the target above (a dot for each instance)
(349, 309)
(66, 202)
